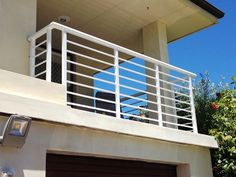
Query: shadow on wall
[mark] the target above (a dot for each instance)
(3, 121)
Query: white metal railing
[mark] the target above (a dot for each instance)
(102, 77)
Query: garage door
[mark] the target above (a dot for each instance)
(81, 166)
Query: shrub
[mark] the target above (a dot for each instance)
(223, 128)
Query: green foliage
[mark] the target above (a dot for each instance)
(233, 82)
(204, 96)
(216, 115)
(223, 128)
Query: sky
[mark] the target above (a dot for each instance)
(211, 50)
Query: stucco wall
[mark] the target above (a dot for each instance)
(89, 133)
(17, 22)
(30, 160)
(29, 87)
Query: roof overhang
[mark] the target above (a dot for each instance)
(209, 8)
(121, 21)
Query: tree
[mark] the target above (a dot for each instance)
(203, 97)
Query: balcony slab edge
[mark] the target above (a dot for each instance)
(56, 113)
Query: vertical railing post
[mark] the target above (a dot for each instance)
(32, 57)
(194, 120)
(49, 56)
(64, 58)
(117, 82)
(158, 93)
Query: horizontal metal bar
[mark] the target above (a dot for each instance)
(177, 85)
(90, 58)
(40, 64)
(136, 98)
(179, 96)
(138, 90)
(130, 79)
(139, 117)
(131, 106)
(40, 33)
(133, 96)
(178, 78)
(175, 92)
(41, 73)
(136, 102)
(174, 100)
(90, 107)
(136, 64)
(83, 35)
(90, 67)
(90, 77)
(41, 43)
(135, 72)
(189, 123)
(165, 105)
(41, 53)
(179, 125)
(90, 97)
(175, 116)
(188, 116)
(90, 87)
(89, 48)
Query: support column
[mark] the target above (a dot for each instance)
(155, 41)
(155, 45)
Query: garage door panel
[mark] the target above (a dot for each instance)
(82, 166)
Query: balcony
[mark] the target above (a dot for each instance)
(104, 78)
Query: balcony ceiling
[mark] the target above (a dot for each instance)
(121, 21)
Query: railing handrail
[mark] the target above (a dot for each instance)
(54, 25)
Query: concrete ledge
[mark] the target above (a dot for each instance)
(12, 104)
(22, 85)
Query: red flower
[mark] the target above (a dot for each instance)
(214, 106)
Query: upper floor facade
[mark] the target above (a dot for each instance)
(95, 77)
(107, 59)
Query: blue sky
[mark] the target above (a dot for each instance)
(212, 49)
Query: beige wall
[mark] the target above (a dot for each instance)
(155, 44)
(29, 87)
(17, 22)
(89, 133)
(30, 160)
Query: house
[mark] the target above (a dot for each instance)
(94, 77)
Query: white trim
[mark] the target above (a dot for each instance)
(117, 82)
(64, 58)
(158, 95)
(194, 119)
(32, 57)
(49, 56)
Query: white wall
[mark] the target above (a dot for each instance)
(30, 160)
(17, 22)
